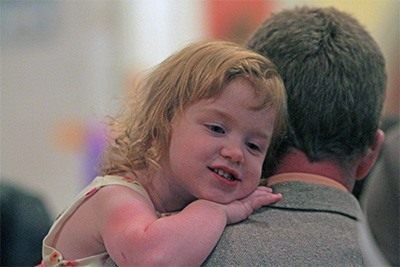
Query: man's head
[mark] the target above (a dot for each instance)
(334, 74)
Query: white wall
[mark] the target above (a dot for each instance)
(159, 28)
(68, 59)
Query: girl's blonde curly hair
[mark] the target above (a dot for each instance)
(199, 71)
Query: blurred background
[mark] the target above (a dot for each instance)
(65, 65)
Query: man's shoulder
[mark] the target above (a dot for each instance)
(303, 196)
(309, 225)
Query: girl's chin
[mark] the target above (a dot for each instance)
(220, 200)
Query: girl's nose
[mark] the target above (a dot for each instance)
(233, 152)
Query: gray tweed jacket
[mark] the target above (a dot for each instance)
(313, 225)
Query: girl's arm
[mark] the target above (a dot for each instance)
(133, 235)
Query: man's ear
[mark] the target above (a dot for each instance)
(368, 160)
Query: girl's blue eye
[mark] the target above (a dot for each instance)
(216, 129)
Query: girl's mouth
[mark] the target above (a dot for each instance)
(226, 175)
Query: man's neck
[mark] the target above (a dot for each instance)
(297, 161)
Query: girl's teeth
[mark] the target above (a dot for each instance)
(224, 174)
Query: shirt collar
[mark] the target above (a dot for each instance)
(305, 177)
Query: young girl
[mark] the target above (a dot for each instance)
(192, 139)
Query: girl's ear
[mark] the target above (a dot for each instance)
(367, 162)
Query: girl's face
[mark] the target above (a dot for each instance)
(218, 146)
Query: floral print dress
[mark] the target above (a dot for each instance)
(51, 257)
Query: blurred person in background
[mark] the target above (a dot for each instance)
(380, 201)
(25, 221)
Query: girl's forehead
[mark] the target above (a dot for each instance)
(239, 91)
(237, 95)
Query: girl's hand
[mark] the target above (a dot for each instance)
(239, 210)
